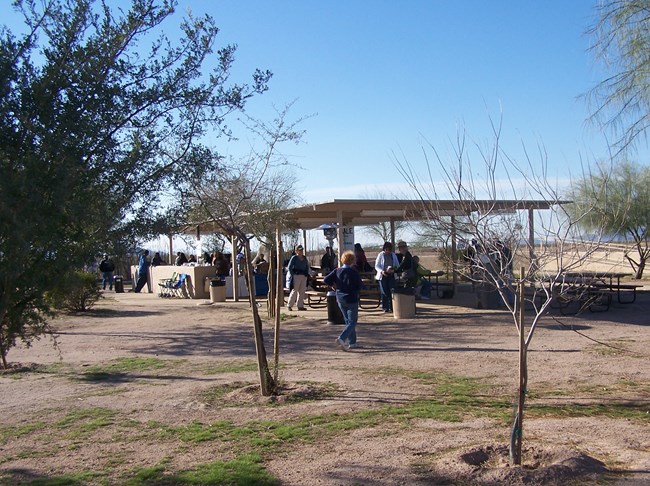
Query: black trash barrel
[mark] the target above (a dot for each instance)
(118, 281)
(334, 315)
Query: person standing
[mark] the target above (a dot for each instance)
(220, 262)
(406, 269)
(260, 265)
(328, 260)
(143, 271)
(347, 282)
(298, 269)
(361, 263)
(107, 267)
(181, 259)
(156, 260)
(385, 266)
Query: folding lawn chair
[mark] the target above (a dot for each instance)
(177, 289)
(166, 285)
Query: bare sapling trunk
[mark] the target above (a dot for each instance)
(278, 300)
(516, 433)
(267, 384)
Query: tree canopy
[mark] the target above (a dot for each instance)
(100, 116)
(622, 42)
(617, 200)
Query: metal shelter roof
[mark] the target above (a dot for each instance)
(360, 212)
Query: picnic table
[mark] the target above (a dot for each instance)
(369, 297)
(592, 290)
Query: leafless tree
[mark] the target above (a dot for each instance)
(248, 198)
(534, 271)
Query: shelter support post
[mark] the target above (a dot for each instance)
(454, 258)
(235, 270)
(531, 239)
(171, 249)
(339, 234)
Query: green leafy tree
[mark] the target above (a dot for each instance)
(100, 115)
(622, 42)
(617, 200)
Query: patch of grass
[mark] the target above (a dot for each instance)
(243, 471)
(630, 410)
(443, 383)
(17, 431)
(231, 367)
(147, 475)
(82, 422)
(118, 369)
(623, 387)
(246, 470)
(130, 364)
(72, 479)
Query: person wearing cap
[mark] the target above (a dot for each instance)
(406, 268)
(298, 269)
(107, 268)
(385, 264)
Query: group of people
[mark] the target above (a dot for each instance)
(347, 282)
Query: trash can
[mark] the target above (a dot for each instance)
(403, 303)
(488, 296)
(118, 282)
(261, 285)
(217, 290)
(334, 315)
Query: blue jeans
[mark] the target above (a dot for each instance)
(425, 289)
(108, 279)
(386, 286)
(350, 316)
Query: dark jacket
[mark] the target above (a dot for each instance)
(347, 282)
(407, 269)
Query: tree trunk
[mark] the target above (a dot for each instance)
(267, 384)
(277, 304)
(516, 433)
(640, 269)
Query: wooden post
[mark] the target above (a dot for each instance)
(531, 240)
(454, 271)
(279, 300)
(522, 370)
(235, 270)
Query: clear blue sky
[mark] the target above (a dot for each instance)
(382, 75)
(379, 76)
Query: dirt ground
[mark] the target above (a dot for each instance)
(593, 359)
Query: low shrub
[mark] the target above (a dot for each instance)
(77, 292)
